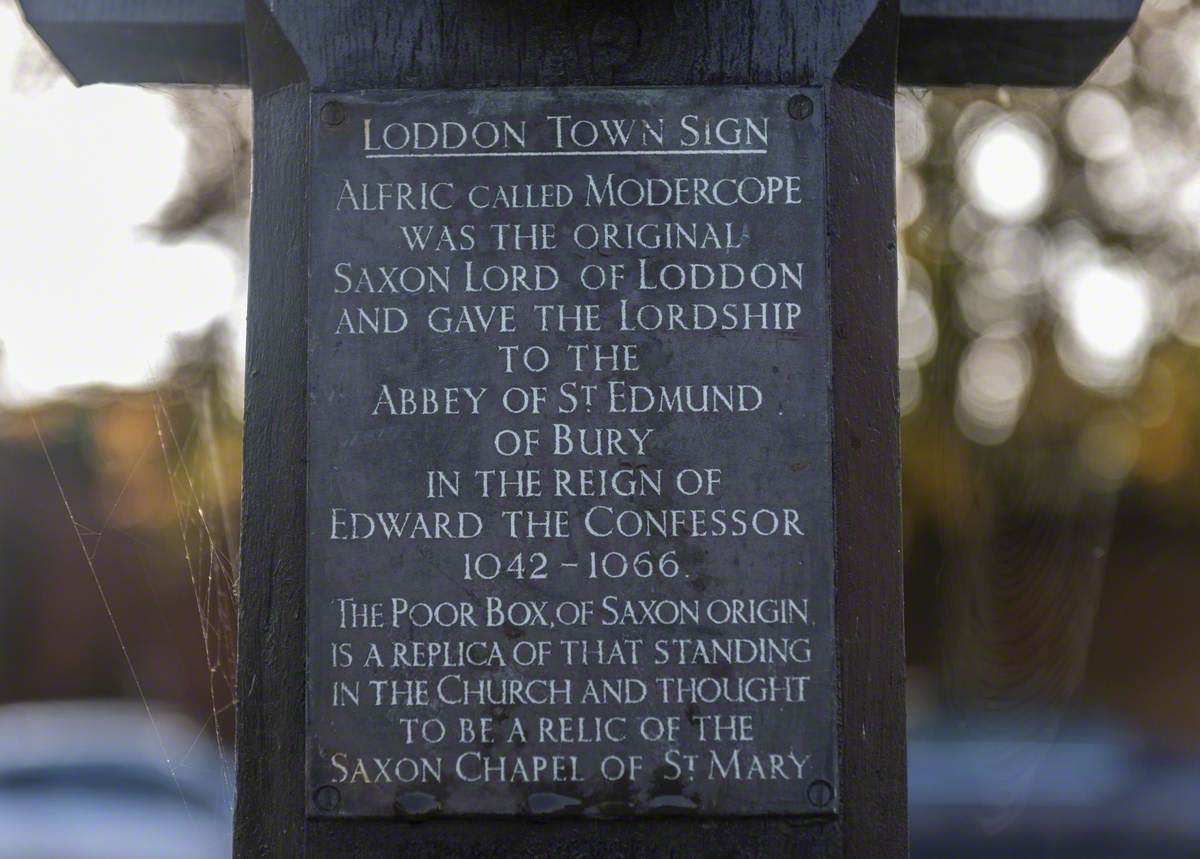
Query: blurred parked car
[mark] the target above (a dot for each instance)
(103, 781)
(1085, 791)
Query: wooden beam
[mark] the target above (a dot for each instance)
(143, 41)
(942, 42)
(1008, 42)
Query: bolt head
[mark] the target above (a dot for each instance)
(332, 113)
(820, 794)
(799, 107)
(327, 798)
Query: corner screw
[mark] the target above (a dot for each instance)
(332, 113)
(820, 794)
(799, 107)
(328, 798)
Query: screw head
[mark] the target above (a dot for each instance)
(332, 113)
(327, 798)
(820, 794)
(799, 107)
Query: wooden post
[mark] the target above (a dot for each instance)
(828, 64)
(844, 50)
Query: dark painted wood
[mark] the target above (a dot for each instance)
(1009, 42)
(866, 447)
(362, 44)
(143, 41)
(350, 44)
(270, 753)
(942, 42)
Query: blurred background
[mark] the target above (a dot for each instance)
(1049, 309)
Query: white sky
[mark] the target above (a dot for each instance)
(86, 294)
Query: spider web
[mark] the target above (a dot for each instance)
(211, 559)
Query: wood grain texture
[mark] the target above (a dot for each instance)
(270, 673)
(270, 746)
(270, 751)
(848, 47)
(363, 44)
(866, 447)
(943, 42)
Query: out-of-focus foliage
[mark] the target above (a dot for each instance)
(1049, 317)
(215, 198)
(118, 541)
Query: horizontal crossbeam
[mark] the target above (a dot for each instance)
(942, 42)
(1008, 42)
(144, 41)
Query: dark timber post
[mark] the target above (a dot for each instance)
(824, 71)
(847, 50)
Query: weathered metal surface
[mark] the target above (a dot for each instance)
(666, 643)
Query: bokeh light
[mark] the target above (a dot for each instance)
(993, 380)
(1108, 315)
(1006, 168)
(1098, 124)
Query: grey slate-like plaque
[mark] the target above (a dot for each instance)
(570, 516)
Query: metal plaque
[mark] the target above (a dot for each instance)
(570, 511)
